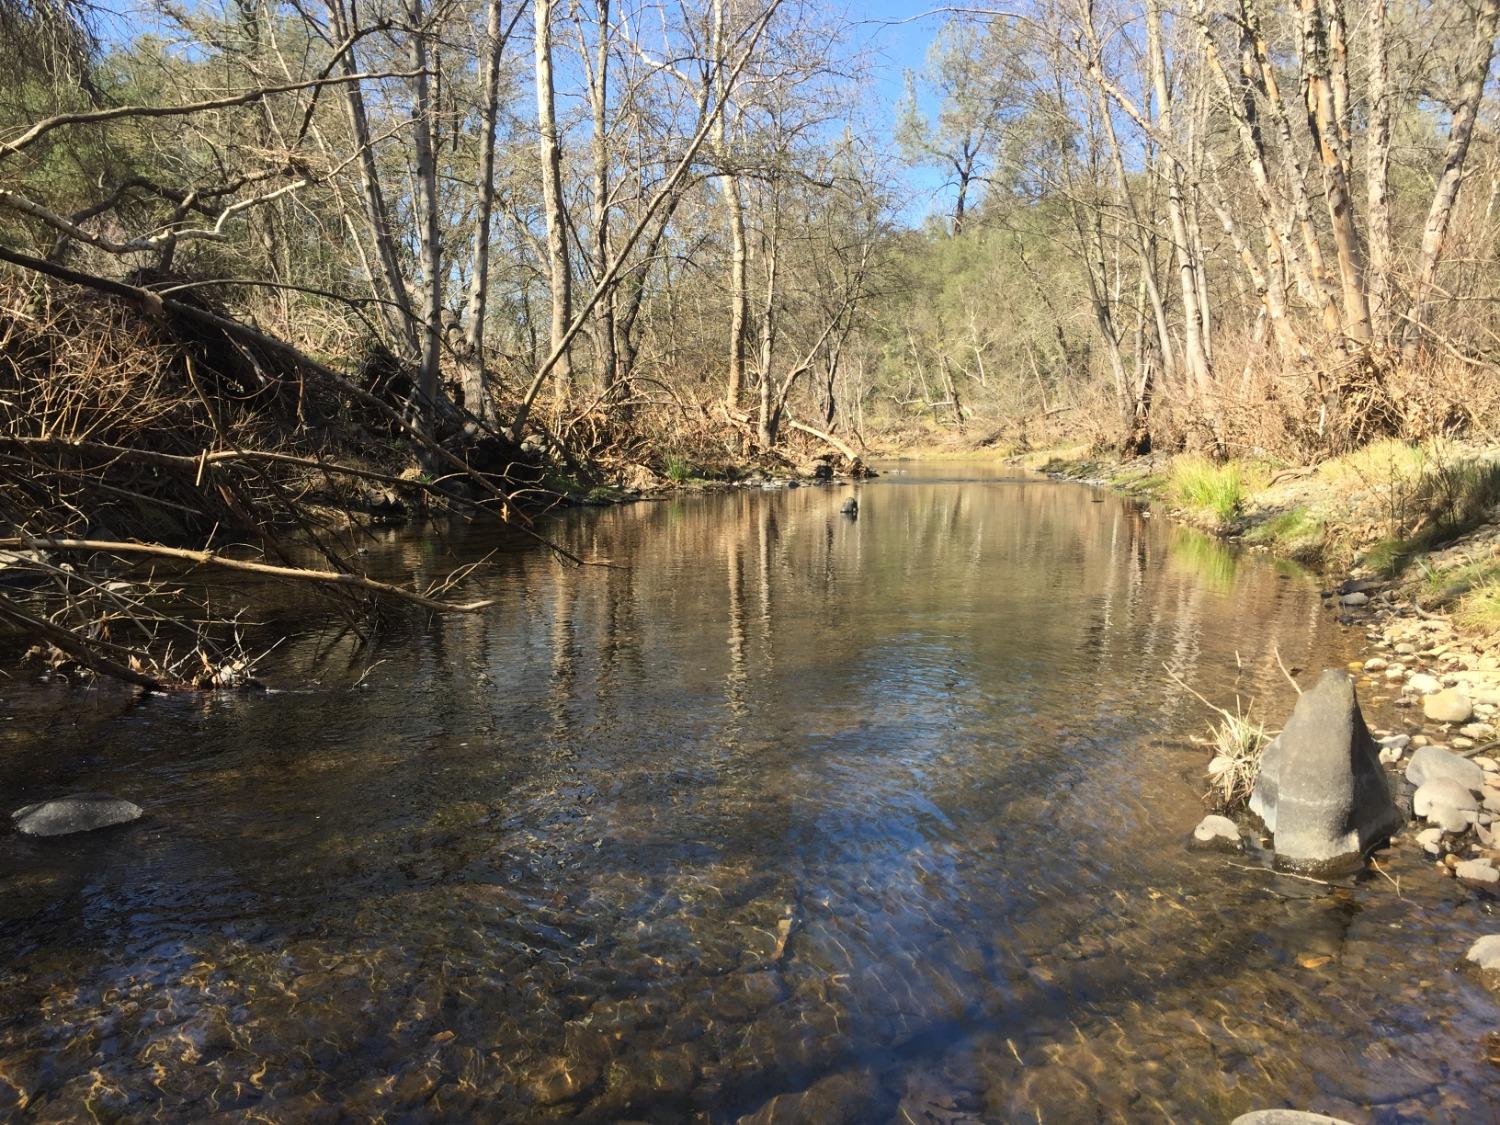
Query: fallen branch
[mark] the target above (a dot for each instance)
(80, 650)
(213, 558)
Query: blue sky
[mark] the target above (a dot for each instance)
(897, 33)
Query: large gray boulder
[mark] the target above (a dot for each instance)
(1432, 762)
(1321, 791)
(81, 812)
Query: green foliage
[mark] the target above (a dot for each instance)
(1209, 489)
(679, 469)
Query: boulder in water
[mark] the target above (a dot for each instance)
(1286, 1117)
(850, 507)
(80, 812)
(1321, 791)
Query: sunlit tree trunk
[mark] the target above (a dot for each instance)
(425, 204)
(1460, 132)
(558, 275)
(1324, 122)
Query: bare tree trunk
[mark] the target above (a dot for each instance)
(1378, 175)
(1122, 182)
(604, 311)
(766, 428)
(392, 286)
(559, 278)
(739, 295)
(1194, 349)
(1323, 122)
(1314, 285)
(1460, 132)
(475, 370)
(429, 250)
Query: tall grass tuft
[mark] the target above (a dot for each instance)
(1479, 609)
(1238, 742)
(1200, 485)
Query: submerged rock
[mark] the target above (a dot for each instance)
(1286, 1117)
(1218, 833)
(1485, 952)
(1432, 762)
(839, 1099)
(1321, 791)
(80, 812)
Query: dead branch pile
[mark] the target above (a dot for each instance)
(165, 432)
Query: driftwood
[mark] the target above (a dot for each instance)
(213, 558)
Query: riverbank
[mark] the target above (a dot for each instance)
(1408, 540)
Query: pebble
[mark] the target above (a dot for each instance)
(1376, 664)
(1431, 840)
(1395, 673)
(1354, 600)
(1487, 764)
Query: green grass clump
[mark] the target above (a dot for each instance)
(1296, 533)
(679, 469)
(1200, 485)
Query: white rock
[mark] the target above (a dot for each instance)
(1354, 600)
(1213, 829)
(1431, 840)
(1450, 706)
(1376, 664)
(1477, 871)
(1486, 763)
(1396, 741)
(1420, 683)
(1485, 952)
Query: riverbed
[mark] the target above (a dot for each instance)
(769, 811)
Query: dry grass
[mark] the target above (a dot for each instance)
(1238, 742)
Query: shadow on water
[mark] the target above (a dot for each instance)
(890, 811)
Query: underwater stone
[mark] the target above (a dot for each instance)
(1321, 791)
(79, 812)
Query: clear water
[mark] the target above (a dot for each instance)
(780, 813)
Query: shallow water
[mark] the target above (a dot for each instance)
(782, 813)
